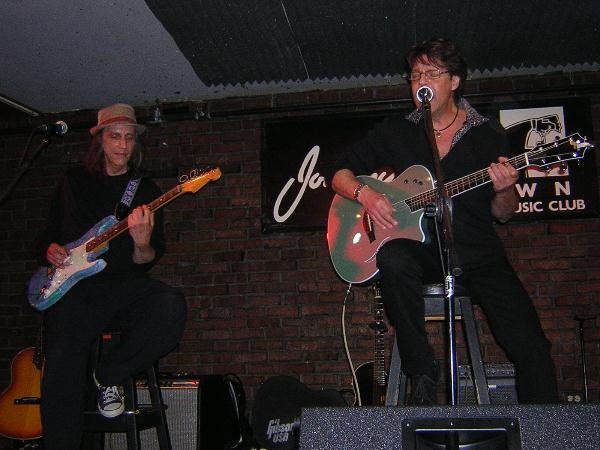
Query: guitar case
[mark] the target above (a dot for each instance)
(277, 406)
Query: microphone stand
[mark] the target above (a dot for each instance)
(441, 211)
(23, 167)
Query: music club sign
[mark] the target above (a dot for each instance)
(561, 186)
(558, 179)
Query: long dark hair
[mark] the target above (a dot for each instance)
(442, 52)
(94, 158)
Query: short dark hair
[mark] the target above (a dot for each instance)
(443, 52)
(94, 158)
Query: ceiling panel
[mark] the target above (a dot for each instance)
(60, 56)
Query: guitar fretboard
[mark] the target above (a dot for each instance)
(473, 180)
(379, 375)
(121, 226)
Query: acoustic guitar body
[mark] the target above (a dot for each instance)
(20, 402)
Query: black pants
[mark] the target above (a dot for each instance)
(72, 326)
(406, 265)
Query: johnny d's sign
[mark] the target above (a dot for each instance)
(298, 153)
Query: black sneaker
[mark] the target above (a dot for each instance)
(424, 390)
(424, 387)
(110, 401)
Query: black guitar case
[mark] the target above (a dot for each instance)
(277, 406)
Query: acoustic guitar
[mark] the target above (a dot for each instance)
(354, 238)
(20, 402)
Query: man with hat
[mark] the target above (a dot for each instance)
(149, 313)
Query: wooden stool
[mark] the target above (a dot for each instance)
(434, 310)
(137, 416)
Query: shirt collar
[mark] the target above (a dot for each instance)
(473, 118)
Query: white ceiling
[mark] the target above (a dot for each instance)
(61, 55)
(65, 55)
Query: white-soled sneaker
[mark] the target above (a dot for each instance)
(110, 401)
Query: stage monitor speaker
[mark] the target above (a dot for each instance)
(489, 427)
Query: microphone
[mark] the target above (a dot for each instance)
(424, 94)
(59, 128)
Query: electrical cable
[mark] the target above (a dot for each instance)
(346, 349)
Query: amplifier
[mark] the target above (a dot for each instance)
(202, 414)
(181, 397)
(501, 384)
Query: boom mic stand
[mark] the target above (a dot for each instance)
(24, 166)
(441, 210)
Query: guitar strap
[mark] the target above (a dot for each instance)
(123, 207)
(130, 191)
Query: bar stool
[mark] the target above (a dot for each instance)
(137, 416)
(434, 298)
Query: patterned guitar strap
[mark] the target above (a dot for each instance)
(122, 208)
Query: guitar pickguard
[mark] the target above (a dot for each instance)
(48, 285)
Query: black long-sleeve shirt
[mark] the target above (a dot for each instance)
(400, 142)
(80, 201)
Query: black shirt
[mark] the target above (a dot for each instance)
(400, 142)
(81, 201)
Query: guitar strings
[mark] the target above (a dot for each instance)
(473, 180)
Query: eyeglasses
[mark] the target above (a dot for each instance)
(430, 74)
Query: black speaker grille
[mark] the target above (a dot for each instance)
(181, 418)
(541, 426)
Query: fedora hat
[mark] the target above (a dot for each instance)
(117, 114)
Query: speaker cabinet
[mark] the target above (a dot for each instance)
(182, 413)
(202, 414)
(501, 384)
(489, 427)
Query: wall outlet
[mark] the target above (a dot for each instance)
(573, 397)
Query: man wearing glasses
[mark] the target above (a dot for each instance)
(467, 142)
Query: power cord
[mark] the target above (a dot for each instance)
(347, 350)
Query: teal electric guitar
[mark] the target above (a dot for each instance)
(49, 284)
(354, 238)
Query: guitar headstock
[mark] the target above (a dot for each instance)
(194, 180)
(572, 147)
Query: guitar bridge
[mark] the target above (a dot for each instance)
(368, 226)
(27, 401)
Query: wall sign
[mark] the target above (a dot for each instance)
(296, 160)
(298, 153)
(560, 189)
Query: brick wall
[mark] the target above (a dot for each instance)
(268, 304)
